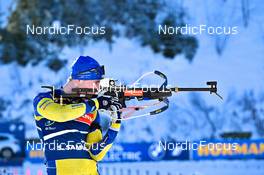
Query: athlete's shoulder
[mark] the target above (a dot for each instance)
(47, 94)
(40, 96)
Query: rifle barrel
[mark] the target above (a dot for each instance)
(196, 89)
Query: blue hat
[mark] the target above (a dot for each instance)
(87, 68)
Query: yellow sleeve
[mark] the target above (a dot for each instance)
(98, 150)
(60, 113)
(94, 137)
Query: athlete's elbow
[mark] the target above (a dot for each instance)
(60, 120)
(97, 159)
(55, 119)
(59, 117)
(64, 118)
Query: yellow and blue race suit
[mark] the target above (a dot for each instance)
(71, 135)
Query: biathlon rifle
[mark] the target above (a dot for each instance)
(126, 93)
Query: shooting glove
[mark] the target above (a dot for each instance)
(108, 102)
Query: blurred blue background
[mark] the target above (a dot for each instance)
(131, 47)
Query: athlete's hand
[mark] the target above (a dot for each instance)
(117, 117)
(109, 103)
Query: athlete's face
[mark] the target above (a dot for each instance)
(91, 84)
(94, 84)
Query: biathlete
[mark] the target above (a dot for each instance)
(74, 128)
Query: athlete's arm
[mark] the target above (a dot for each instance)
(47, 108)
(98, 150)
